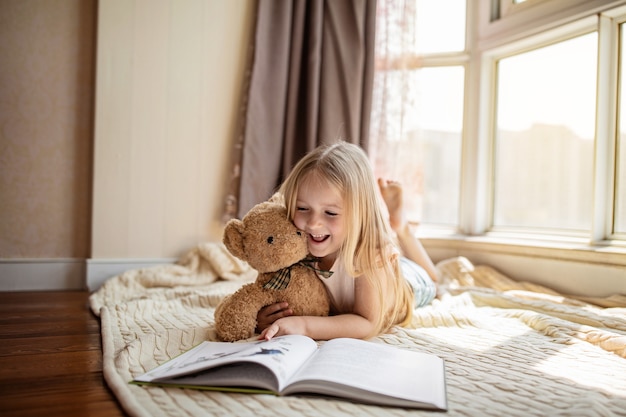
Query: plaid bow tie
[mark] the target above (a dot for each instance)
(281, 278)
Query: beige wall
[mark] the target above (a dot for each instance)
(168, 91)
(146, 142)
(46, 122)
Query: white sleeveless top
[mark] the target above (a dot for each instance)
(340, 287)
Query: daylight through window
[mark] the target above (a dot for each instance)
(493, 127)
(544, 136)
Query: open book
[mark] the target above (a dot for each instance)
(355, 370)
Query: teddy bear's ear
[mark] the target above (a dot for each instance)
(233, 237)
(277, 198)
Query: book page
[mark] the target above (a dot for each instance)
(281, 355)
(246, 376)
(357, 369)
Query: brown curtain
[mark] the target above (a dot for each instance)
(310, 83)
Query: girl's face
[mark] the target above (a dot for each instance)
(320, 214)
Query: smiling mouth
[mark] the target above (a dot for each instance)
(318, 238)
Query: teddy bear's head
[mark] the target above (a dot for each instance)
(266, 238)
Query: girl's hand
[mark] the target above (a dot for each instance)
(269, 314)
(288, 325)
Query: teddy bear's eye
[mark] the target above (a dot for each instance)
(299, 233)
(270, 240)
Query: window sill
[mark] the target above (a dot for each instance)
(568, 266)
(579, 250)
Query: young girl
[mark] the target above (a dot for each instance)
(331, 195)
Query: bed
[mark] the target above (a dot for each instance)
(510, 348)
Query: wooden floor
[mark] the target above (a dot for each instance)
(51, 357)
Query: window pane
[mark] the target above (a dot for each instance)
(416, 139)
(619, 225)
(419, 27)
(544, 136)
(440, 26)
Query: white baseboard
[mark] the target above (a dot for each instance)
(63, 274)
(99, 270)
(42, 274)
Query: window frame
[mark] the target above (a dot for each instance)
(490, 60)
(477, 189)
(506, 8)
(495, 27)
(538, 24)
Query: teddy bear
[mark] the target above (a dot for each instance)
(272, 245)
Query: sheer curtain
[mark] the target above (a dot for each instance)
(310, 83)
(392, 96)
(398, 146)
(417, 106)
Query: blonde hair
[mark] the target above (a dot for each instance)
(369, 246)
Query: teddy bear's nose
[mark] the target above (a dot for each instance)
(270, 240)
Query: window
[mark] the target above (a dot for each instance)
(507, 7)
(545, 123)
(505, 123)
(417, 115)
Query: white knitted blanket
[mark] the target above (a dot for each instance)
(511, 349)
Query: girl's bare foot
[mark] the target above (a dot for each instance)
(391, 192)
